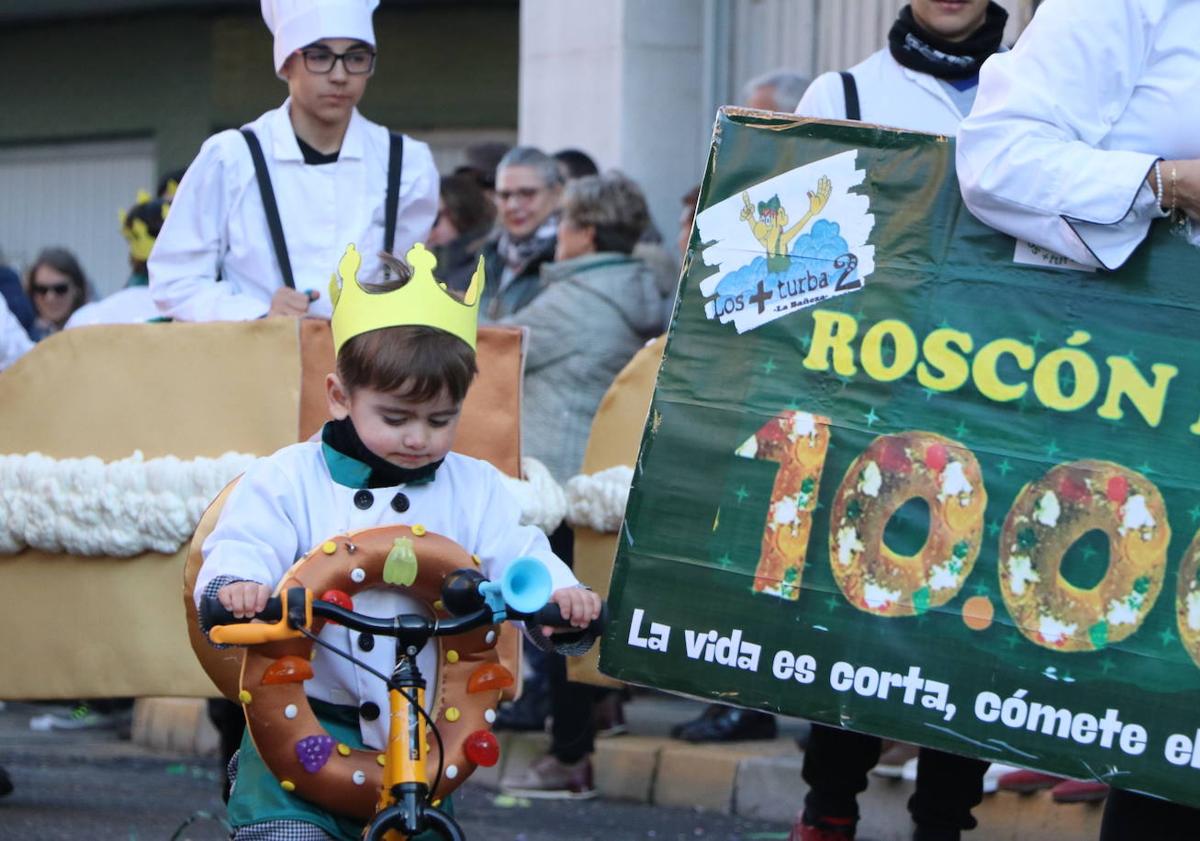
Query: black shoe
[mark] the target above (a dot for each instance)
(711, 711)
(6, 785)
(730, 724)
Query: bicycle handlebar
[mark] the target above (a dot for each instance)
(295, 608)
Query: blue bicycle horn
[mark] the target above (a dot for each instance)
(526, 585)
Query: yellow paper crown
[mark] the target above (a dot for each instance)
(423, 301)
(137, 233)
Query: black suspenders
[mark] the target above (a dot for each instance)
(850, 89)
(271, 208)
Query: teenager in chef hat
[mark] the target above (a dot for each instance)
(327, 168)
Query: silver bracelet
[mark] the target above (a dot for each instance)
(1158, 194)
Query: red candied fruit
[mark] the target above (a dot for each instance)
(1074, 489)
(489, 676)
(339, 598)
(773, 432)
(288, 669)
(936, 457)
(1117, 490)
(892, 458)
(482, 748)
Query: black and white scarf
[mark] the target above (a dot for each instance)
(918, 49)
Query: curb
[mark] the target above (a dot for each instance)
(761, 781)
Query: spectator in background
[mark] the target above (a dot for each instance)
(598, 306)
(481, 161)
(327, 168)
(779, 90)
(169, 184)
(528, 191)
(13, 343)
(57, 286)
(460, 231)
(574, 163)
(132, 304)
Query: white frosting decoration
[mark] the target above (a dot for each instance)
(543, 502)
(359, 778)
(1193, 610)
(1053, 631)
(598, 501)
(1047, 510)
(1135, 515)
(490, 637)
(848, 544)
(358, 575)
(785, 511)
(876, 596)
(451, 772)
(84, 506)
(942, 577)
(1021, 572)
(290, 711)
(955, 483)
(489, 716)
(871, 479)
(804, 425)
(1124, 611)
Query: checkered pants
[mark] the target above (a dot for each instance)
(274, 830)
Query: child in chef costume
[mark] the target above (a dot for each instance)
(404, 361)
(326, 170)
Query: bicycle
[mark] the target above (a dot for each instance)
(405, 807)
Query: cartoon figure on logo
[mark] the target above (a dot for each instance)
(770, 228)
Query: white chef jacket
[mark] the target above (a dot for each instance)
(131, 305)
(288, 503)
(1068, 124)
(217, 226)
(889, 94)
(14, 341)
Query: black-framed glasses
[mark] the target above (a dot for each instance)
(58, 289)
(320, 60)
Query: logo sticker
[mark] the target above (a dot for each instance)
(787, 243)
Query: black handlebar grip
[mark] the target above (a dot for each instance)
(551, 616)
(213, 613)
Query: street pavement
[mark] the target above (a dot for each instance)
(94, 785)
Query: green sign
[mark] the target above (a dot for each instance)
(904, 474)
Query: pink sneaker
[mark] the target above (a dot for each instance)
(1027, 782)
(1079, 791)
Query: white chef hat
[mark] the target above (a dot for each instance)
(297, 23)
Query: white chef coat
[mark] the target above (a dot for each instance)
(131, 305)
(14, 341)
(288, 503)
(1068, 124)
(889, 94)
(217, 226)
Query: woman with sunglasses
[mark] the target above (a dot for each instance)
(273, 232)
(57, 286)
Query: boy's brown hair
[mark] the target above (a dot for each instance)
(417, 362)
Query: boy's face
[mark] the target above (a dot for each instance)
(408, 433)
(328, 97)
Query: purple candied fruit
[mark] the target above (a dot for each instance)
(313, 752)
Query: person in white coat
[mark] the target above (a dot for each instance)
(14, 341)
(1081, 137)
(1089, 129)
(924, 80)
(327, 183)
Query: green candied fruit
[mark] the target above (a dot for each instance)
(807, 486)
(854, 509)
(1098, 634)
(1142, 585)
(400, 568)
(790, 574)
(961, 549)
(1027, 538)
(921, 600)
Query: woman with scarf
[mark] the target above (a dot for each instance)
(528, 192)
(924, 80)
(926, 77)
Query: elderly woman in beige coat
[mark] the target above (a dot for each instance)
(597, 306)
